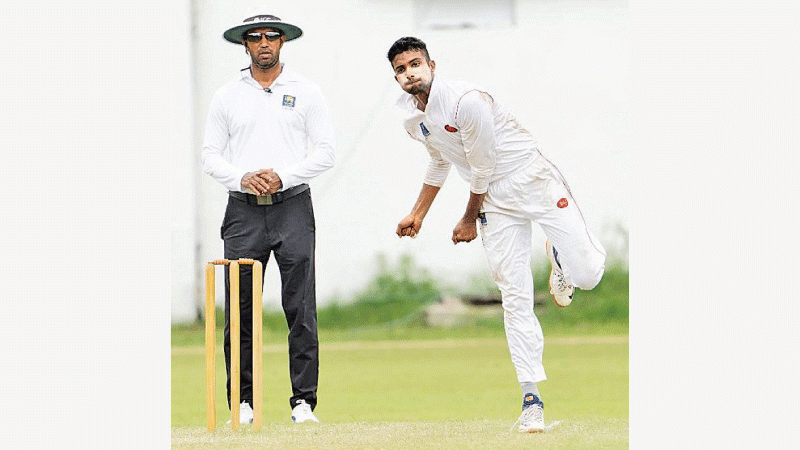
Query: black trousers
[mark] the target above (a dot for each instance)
(287, 230)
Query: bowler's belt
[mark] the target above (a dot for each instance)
(270, 199)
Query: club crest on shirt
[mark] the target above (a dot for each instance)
(425, 131)
(562, 203)
(288, 100)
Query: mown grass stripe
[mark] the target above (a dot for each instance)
(433, 343)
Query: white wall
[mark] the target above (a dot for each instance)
(563, 70)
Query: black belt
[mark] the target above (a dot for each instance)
(271, 199)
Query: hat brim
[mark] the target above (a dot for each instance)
(235, 34)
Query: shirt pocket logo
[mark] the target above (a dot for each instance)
(288, 100)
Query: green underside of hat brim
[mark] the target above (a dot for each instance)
(234, 35)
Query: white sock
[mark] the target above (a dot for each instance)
(529, 388)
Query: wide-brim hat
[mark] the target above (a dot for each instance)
(261, 21)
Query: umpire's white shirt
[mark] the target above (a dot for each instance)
(288, 130)
(463, 126)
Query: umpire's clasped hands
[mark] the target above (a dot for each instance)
(262, 182)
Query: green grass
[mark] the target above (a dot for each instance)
(193, 335)
(450, 434)
(421, 394)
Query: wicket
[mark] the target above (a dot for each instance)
(235, 328)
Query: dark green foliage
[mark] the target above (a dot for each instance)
(394, 297)
(607, 302)
(393, 304)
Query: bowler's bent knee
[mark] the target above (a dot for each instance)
(588, 280)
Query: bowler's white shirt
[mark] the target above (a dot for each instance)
(463, 126)
(288, 130)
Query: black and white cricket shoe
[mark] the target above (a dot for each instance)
(561, 291)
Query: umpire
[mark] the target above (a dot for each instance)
(276, 126)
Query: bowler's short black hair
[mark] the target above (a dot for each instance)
(405, 44)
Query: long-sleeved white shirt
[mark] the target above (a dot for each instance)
(288, 130)
(463, 126)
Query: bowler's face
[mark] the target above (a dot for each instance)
(413, 71)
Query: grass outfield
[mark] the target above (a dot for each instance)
(420, 394)
(451, 434)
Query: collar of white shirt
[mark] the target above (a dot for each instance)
(286, 76)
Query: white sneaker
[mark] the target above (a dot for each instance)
(561, 291)
(302, 413)
(532, 418)
(245, 413)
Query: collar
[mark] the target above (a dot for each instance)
(286, 76)
(406, 101)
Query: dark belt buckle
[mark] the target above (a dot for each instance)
(263, 199)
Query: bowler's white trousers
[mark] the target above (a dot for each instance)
(534, 194)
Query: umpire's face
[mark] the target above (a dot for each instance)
(264, 46)
(413, 71)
